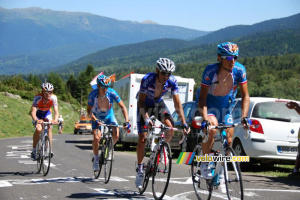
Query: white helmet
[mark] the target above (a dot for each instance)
(165, 64)
(48, 87)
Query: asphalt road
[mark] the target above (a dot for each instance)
(71, 175)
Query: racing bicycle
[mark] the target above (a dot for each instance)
(43, 149)
(157, 160)
(106, 151)
(232, 173)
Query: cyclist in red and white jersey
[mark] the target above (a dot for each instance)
(41, 111)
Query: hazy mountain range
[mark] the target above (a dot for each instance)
(34, 39)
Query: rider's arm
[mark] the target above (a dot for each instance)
(178, 108)
(124, 110)
(33, 113)
(142, 106)
(56, 113)
(90, 113)
(245, 99)
(202, 102)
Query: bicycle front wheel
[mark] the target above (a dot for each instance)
(162, 171)
(39, 156)
(233, 177)
(202, 187)
(108, 155)
(148, 168)
(46, 158)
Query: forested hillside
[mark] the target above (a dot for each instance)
(130, 57)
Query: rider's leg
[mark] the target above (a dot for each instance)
(140, 149)
(96, 140)
(115, 135)
(230, 132)
(36, 135)
(168, 122)
(206, 147)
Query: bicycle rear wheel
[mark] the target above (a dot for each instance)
(162, 171)
(233, 177)
(148, 168)
(108, 161)
(39, 156)
(202, 187)
(46, 158)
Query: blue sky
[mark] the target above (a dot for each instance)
(206, 15)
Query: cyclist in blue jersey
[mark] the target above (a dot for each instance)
(153, 87)
(217, 96)
(100, 108)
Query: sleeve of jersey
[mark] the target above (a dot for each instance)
(116, 96)
(91, 98)
(206, 78)
(54, 100)
(35, 100)
(144, 85)
(242, 76)
(175, 89)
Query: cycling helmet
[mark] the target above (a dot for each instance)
(48, 87)
(165, 64)
(228, 49)
(103, 80)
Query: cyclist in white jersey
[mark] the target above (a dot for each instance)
(150, 102)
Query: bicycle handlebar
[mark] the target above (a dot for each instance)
(48, 123)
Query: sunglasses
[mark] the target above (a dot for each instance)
(165, 73)
(104, 87)
(48, 92)
(229, 58)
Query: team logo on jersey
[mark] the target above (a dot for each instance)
(207, 78)
(244, 74)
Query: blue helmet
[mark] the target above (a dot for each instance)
(228, 49)
(103, 80)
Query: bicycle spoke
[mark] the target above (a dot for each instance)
(162, 171)
(233, 178)
(202, 187)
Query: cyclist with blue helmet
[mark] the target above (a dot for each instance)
(217, 96)
(100, 108)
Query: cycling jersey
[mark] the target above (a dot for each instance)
(108, 116)
(44, 110)
(148, 87)
(221, 106)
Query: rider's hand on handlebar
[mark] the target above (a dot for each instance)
(186, 129)
(205, 125)
(54, 121)
(148, 123)
(246, 122)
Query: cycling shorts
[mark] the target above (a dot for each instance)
(159, 110)
(106, 118)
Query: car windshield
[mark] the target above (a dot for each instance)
(275, 111)
(85, 121)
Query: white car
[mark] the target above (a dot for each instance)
(273, 134)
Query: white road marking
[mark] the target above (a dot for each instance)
(5, 184)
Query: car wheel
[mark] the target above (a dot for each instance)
(238, 148)
(75, 132)
(239, 151)
(80, 133)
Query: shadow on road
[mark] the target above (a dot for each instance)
(2, 174)
(106, 194)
